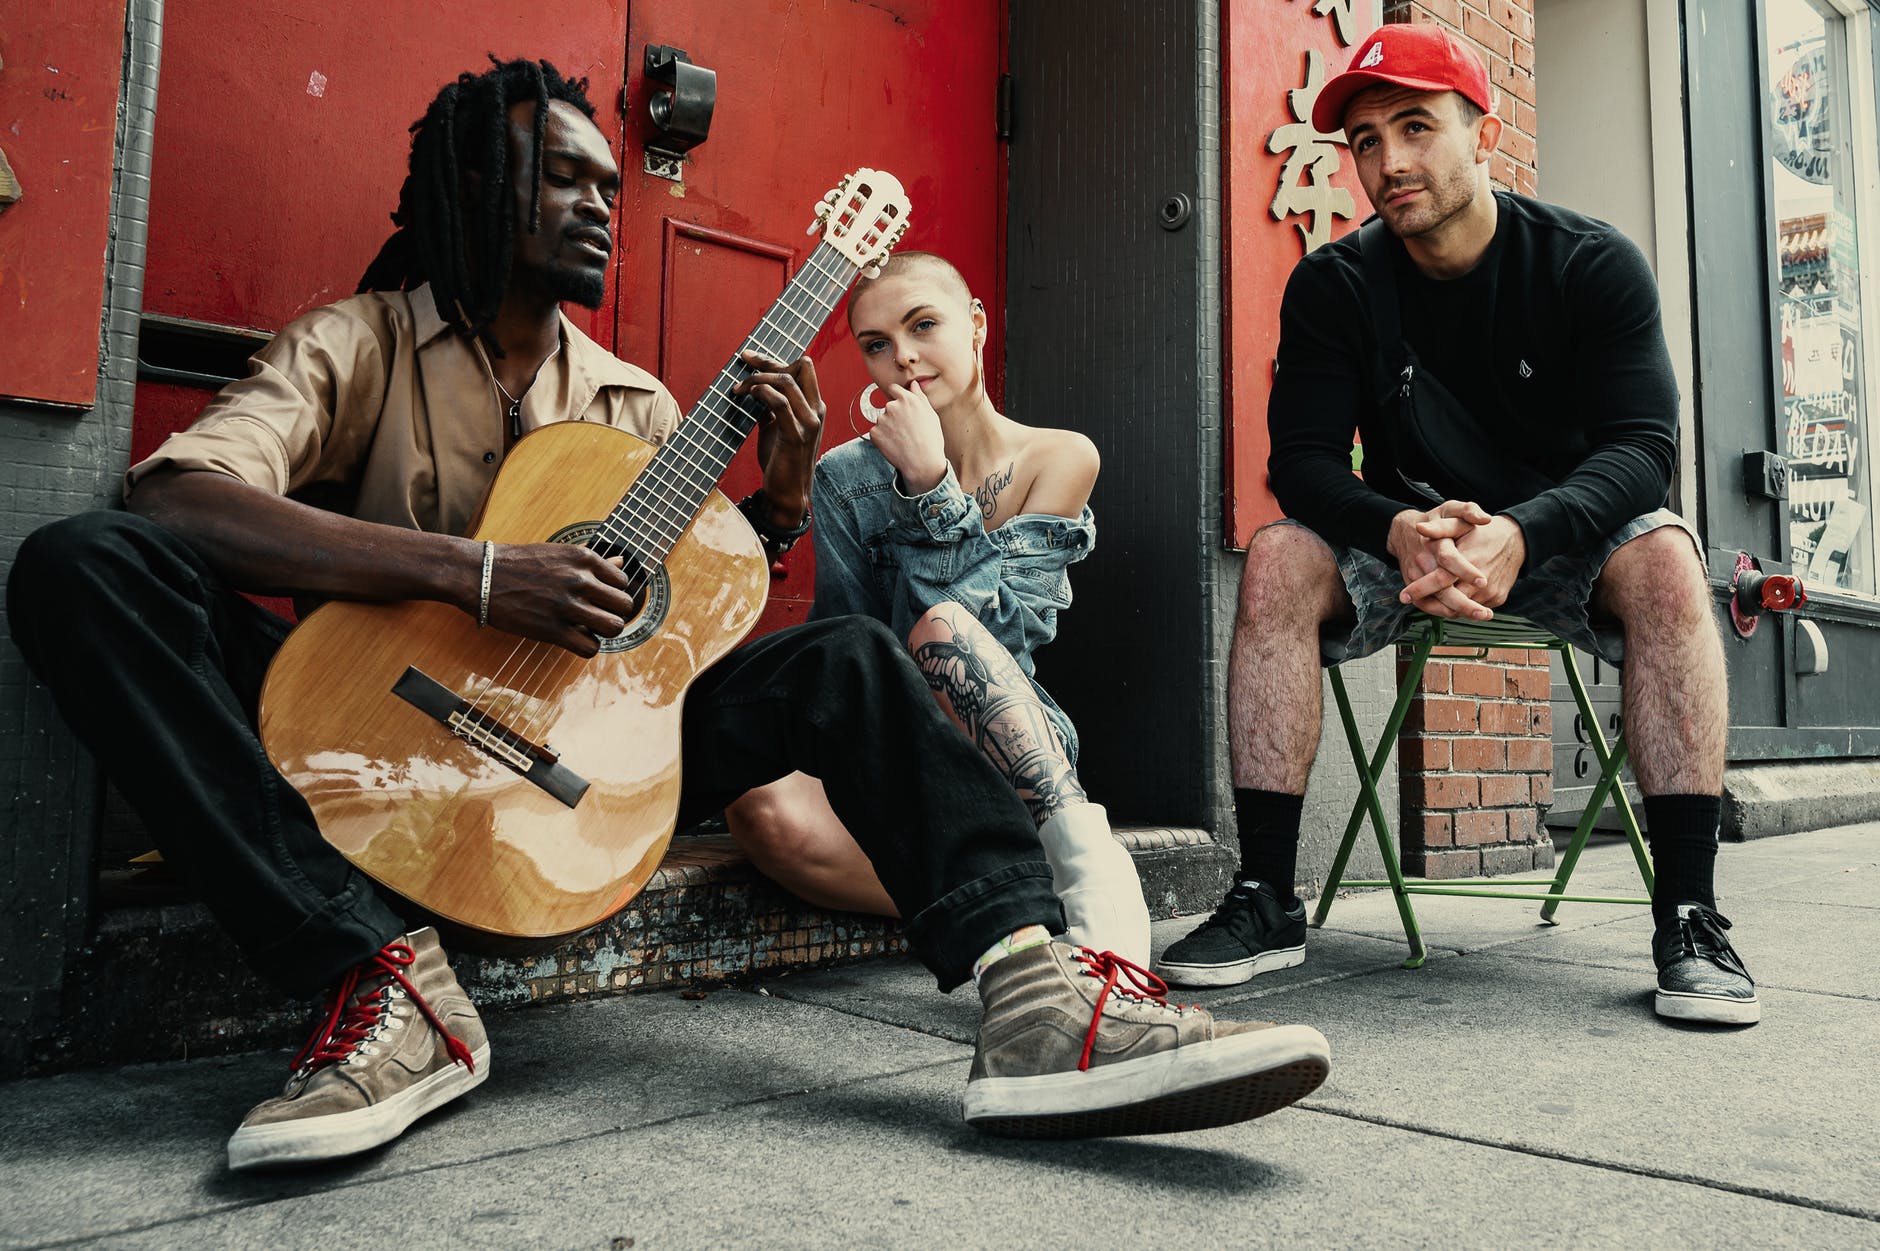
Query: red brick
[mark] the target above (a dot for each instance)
(1528, 755)
(1526, 182)
(1485, 31)
(1543, 787)
(1505, 790)
(1528, 122)
(1518, 146)
(1442, 716)
(1468, 653)
(1435, 678)
(1424, 754)
(1444, 864)
(1435, 829)
(1512, 79)
(1514, 719)
(1479, 680)
(1448, 12)
(1530, 683)
(1438, 791)
(1514, 16)
(1475, 828)
(1523, 55)
(1507, 655)
(1481, 755)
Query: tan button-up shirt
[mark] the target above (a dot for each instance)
(375, 406)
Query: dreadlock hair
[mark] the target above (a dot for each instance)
(463, 249)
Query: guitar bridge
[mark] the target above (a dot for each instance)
(534, 761)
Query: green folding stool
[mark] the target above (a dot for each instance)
(1424, 636)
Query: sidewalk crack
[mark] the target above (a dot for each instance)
(1611, 1166)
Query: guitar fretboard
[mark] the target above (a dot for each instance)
(649, 519)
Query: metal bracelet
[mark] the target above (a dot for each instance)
(489, 564)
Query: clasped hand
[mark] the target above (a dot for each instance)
(1456, 559)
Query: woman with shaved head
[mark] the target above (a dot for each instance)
(956, 526)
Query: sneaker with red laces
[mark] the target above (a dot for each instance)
(1077, 1043)
(399, 1038)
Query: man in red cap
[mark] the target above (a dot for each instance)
(1504, 363)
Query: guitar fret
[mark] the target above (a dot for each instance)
(663, 501)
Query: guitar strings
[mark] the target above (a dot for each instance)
(663, 502)
(661, 499)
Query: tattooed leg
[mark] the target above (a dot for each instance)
(980, 686)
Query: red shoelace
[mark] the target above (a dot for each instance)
(352, 1014)
(1109, 966)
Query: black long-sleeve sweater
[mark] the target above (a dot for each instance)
(1553, 342)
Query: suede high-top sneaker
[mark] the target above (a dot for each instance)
(398, 1039)
(1080, 1044)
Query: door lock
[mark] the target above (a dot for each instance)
(682, 112)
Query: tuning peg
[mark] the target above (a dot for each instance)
(872, 271)
(835, 193)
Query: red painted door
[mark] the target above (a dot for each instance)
(806, 91)
(280, 145)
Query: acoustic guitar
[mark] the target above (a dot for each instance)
(509, 785)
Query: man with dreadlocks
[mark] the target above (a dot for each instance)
(392, 410)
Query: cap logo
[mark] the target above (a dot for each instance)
(1374, 57)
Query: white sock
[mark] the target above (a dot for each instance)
(1013, 943)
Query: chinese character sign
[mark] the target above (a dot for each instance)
(1290, 189)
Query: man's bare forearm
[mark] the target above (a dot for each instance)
(264, 543)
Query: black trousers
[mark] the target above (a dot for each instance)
(157, 666)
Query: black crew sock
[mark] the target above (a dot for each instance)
(1682, 831)
(1268, 823)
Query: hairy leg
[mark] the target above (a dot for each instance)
(1677, 707)
(1289, 588)
(979, 685)
(794, 838)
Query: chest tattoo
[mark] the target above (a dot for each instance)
(987, 492)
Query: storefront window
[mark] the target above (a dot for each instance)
(1827, 406)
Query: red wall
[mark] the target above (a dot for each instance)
(59, 80)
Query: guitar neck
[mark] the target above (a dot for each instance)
(669, 491)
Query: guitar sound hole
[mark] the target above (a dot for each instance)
(650, 603)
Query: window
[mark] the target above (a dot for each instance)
(1819, 75)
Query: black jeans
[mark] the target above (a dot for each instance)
(157, 667)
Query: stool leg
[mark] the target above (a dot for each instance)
(1609, 785)
(1368, 800)
(1336, 874)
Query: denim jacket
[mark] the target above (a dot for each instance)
(890, 556)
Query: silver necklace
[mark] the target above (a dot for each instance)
(513, 403)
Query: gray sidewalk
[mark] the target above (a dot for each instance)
(1516, 1090)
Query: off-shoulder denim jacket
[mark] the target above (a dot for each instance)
(892, 556)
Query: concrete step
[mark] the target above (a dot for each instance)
(159, 981)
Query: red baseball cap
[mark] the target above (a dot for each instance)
(1423, 57)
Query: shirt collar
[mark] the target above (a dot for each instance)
(592, 365)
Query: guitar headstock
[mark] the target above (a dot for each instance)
(863, 218)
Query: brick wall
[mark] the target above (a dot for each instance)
(1476, 761)
(1503, 32)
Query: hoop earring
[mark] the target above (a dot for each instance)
(870, 413)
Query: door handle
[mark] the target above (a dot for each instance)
(682, 112)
